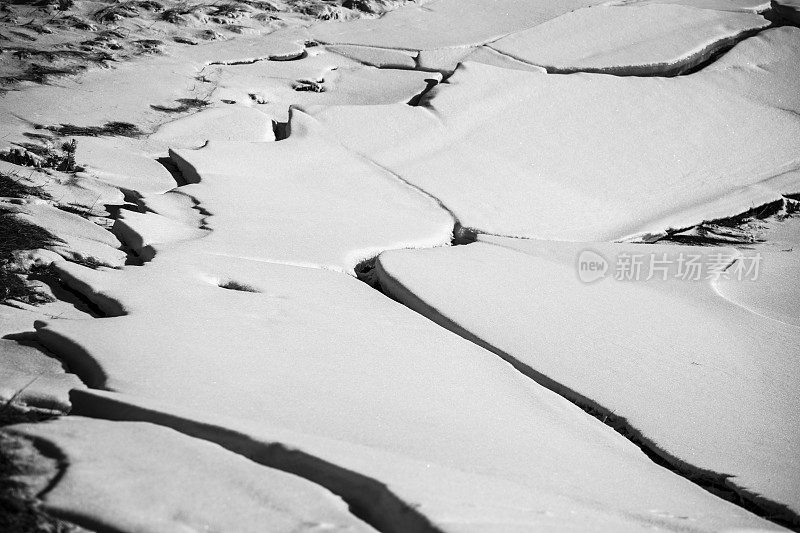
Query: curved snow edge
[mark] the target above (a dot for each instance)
(719, 484)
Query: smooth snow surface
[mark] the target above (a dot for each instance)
(707, 383)
(30, 378)
(591, 156)
(652, 39)
(506, 453)
(229, 123)
(306, 201)
(445, 23)
(131, 171)
(113, 471)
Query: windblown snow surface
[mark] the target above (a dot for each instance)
(333, 279)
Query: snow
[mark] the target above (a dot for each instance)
(775, 293)
(594, 157)
(376, 57)
(706, 383)
(229, 123)
(502, 451)
(31, 379)
(335, 79)
(654, 39)
(741, 6)
(269, 173)
(445, 23)
(122, 167)
(79, 238)
(306, 201)
(114, 470)
(86, 194)
(140, 230)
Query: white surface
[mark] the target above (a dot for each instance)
(595, 157)
(229, 123)
(79, 238)
(445, 23)
(121, 166)
(652, 39)
(321, 354)
(306, 201)
(706, 382)
(128, 476)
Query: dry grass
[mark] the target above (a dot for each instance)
(43, 155)
(116, 128)
(11, 186)
(17, 235)
(24, 472)
(184, 105)
(90, 34)
(236, 286)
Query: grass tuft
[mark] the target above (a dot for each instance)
(184, 105)
(20, 460)
(236, 286)
(18, 235)
(115, 128)
(12, 187)
(39, 156)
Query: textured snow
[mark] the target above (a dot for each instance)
(289, 165)
(652, 39)
(306, 201)
(129, 476)
(741, 6)
(229, 123)
(122, 167)
(376, 57)
(706, 382)
(30, 378)
(140, 230)
(383, 379)
(445, 23)
(590, 156)
(79, 238)
(86, 194)
(336, 80)
(775, 293)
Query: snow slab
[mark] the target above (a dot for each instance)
(175, 205)
(740, 6)
(706, 383)
(31, 379)
(306, 201)
(376, 57)
(775, 292)
(473, 445)
(655, 39)
(229, 123)
(114, 470)
(591, 157)
(160, 80)
(121, 166)
(87, 194)
(243, 49)
(320, 78)
(141, 230)
(80, 239)
(445, 23)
